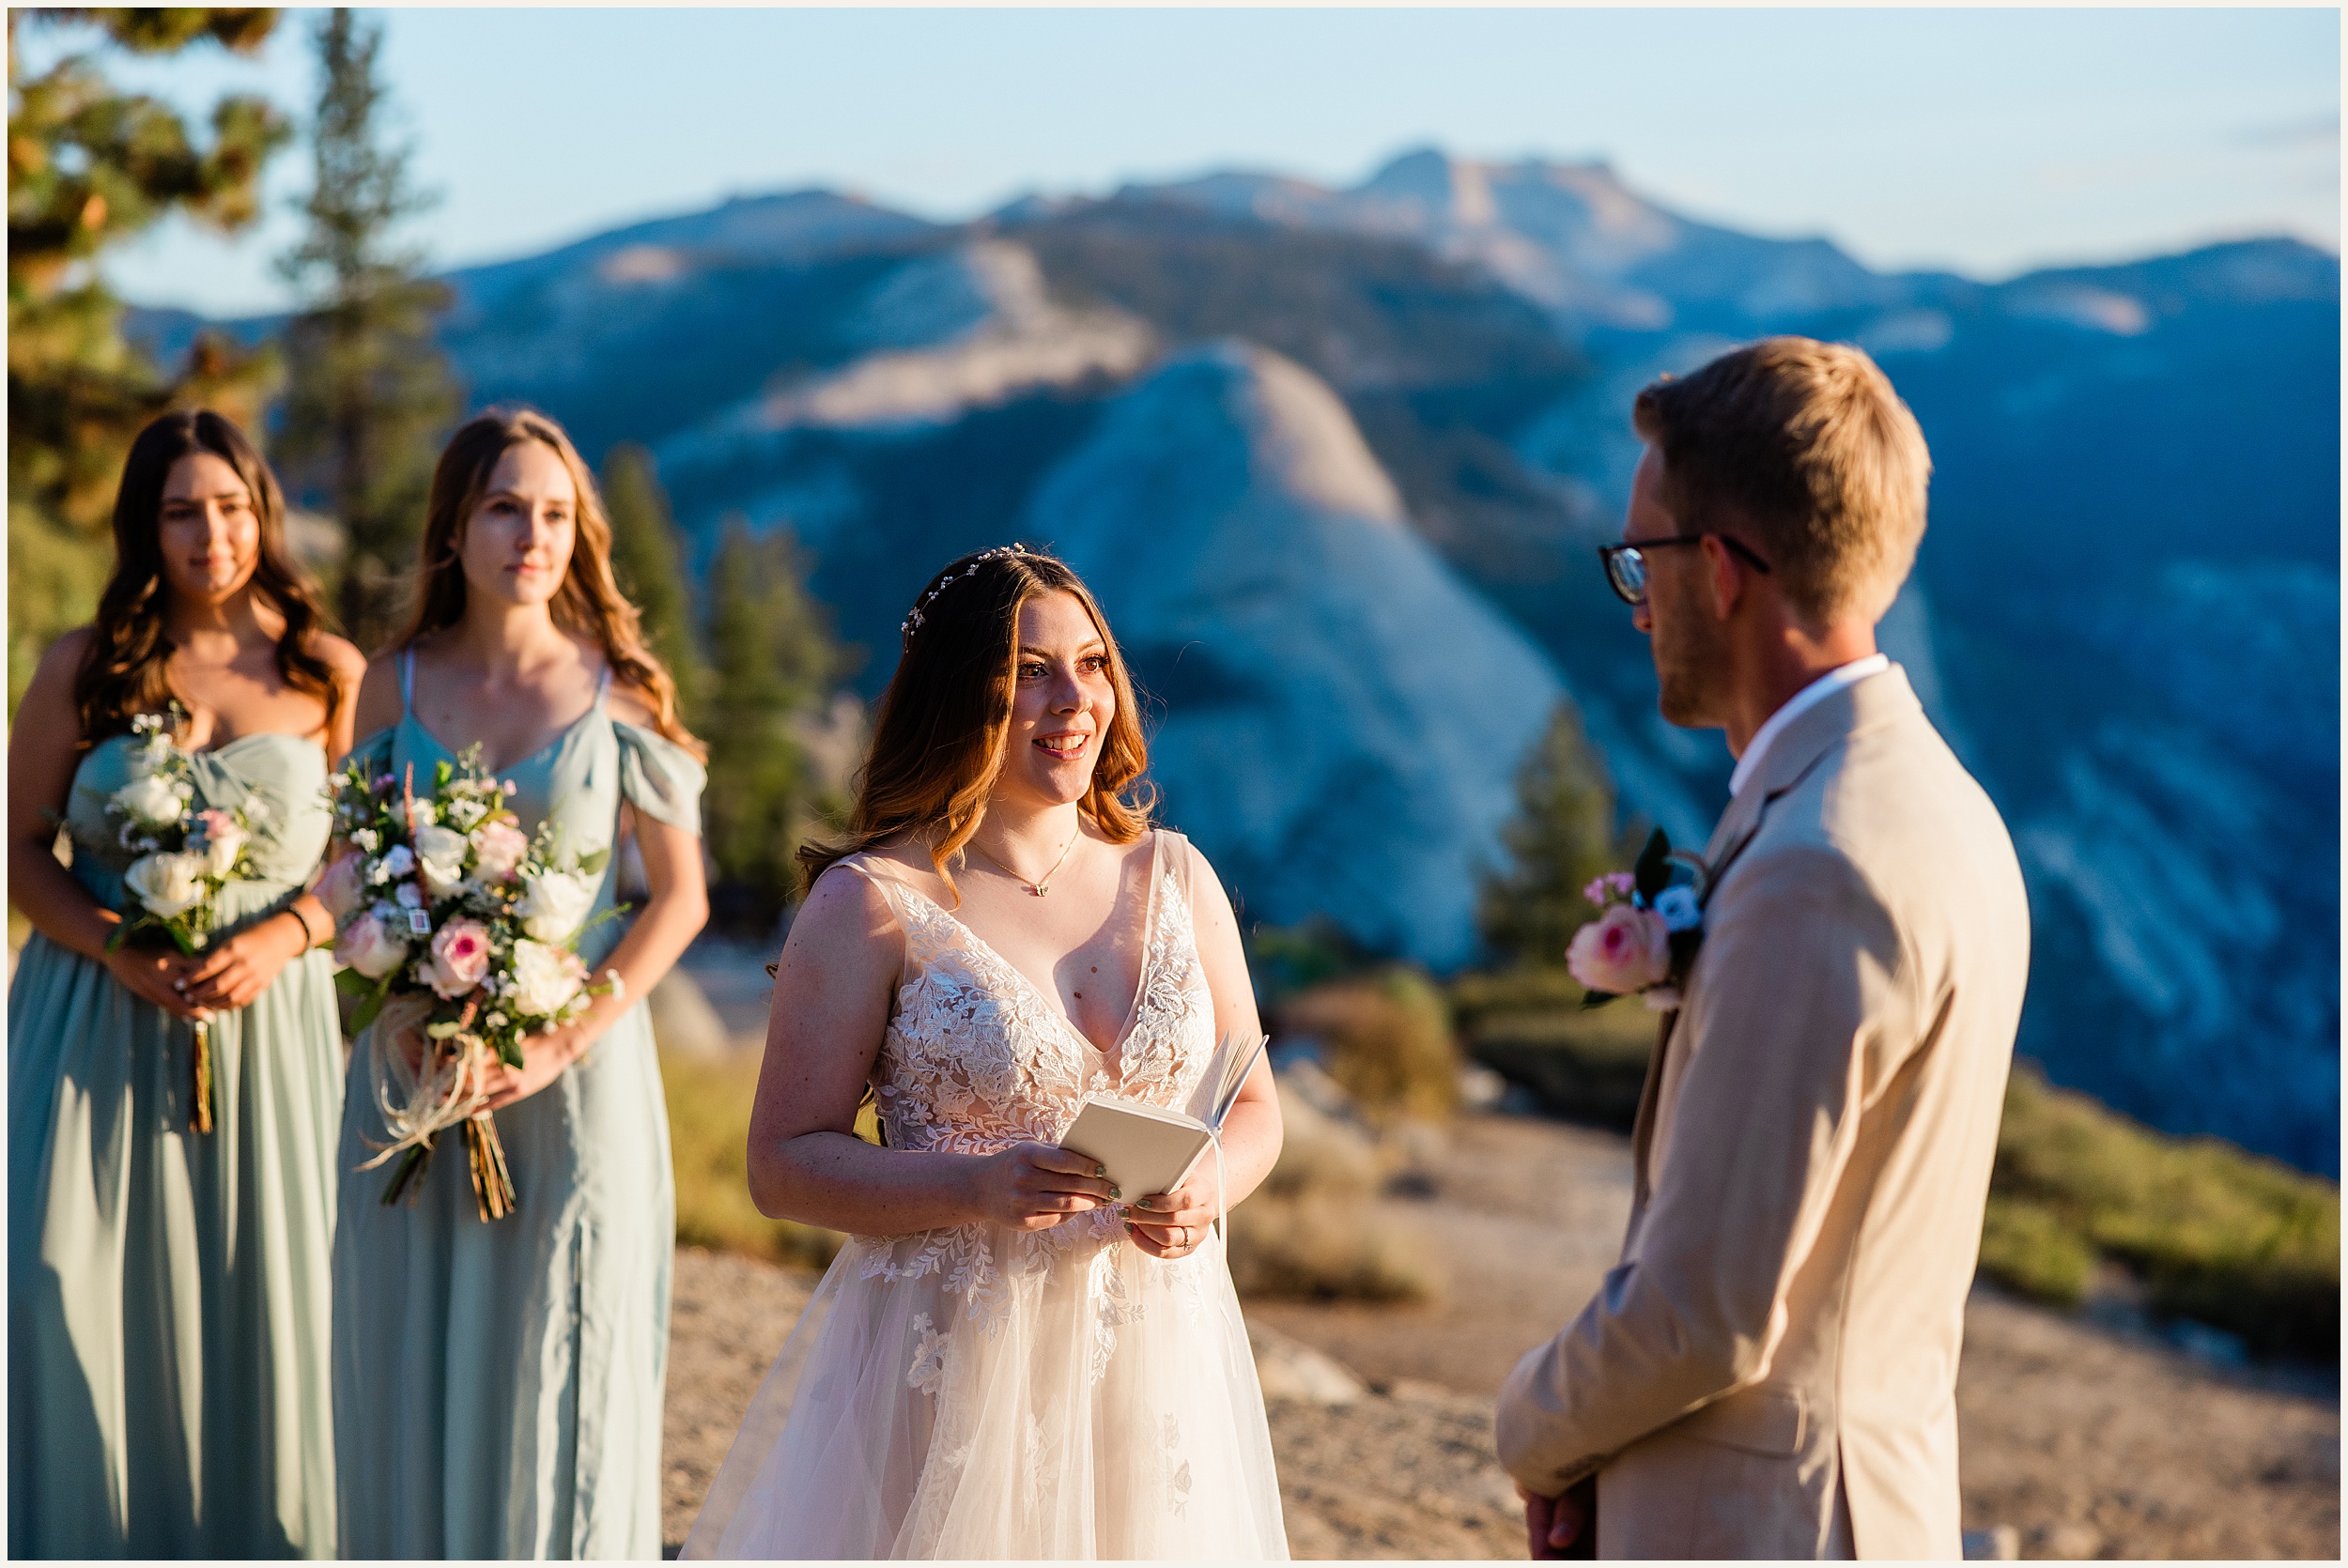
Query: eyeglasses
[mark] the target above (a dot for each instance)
(1626, 565)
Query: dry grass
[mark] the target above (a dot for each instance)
(709, 1125)
(1385, 1037)
(1311, 1231)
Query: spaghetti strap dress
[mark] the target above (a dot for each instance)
(169, 1291)
(498, 1384)
(980, 1392)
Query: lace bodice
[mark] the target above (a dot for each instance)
(981, 1391)
(977, 1058)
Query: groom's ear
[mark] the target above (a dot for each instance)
(1727, 579)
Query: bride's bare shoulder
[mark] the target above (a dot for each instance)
(844, 914)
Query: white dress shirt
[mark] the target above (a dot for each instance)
(1800, 703)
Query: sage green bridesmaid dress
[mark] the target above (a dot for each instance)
(170, 1291)
(498, 1384)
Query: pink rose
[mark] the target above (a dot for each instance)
(460, 957)
(1623, 951)
(341, 885)
(370, 947)
(497, 847)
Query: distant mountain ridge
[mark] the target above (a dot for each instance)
(2125, 615)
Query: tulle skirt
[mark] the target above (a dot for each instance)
(983, 1392)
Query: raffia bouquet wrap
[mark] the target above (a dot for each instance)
(459, 936)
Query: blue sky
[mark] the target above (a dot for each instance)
(1983, 141)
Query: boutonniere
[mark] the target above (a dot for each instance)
(1650, 924)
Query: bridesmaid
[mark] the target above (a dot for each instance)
(498, 1384)
(169, 1291)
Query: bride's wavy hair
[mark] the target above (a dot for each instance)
(588, 604)
(122, 673)
(944, 729)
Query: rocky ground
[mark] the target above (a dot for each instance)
(2080, 1438)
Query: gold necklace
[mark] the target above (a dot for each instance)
(1038, 888)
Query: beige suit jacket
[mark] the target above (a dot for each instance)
(1772, 1369)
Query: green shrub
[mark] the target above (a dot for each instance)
(1528, 1024)
(709, 1126)
(1386, 1038)
(2029, 1249)
(2217, 1233)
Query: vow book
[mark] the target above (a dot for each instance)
(1147, 1149)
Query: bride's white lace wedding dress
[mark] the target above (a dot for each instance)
(985, 1392)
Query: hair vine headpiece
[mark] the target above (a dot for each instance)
(913, 621)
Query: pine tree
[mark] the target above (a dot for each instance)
(370, 392)
(1564, 836)
(648, 558)
(771, 662)
(88, 168)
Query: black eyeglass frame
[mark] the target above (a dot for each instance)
(1608, 553)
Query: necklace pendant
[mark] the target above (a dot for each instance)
(1040, 888)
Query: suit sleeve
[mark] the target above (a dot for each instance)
(1795, 1012)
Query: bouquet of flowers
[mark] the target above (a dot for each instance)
(1650, 924)
(179, 858)
(460, 935)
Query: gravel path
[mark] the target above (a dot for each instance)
(2082, 1441)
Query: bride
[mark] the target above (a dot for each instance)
(1010, 1357)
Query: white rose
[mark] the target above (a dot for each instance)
(153, 800)
(167, 885)
(441, 859)
(220, 851)
(543, 978)
(554, 903)
(149, 753)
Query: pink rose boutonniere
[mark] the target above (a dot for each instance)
(1650, 924)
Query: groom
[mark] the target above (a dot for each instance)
(1770, 1371)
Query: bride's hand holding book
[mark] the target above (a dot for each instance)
(1037, 1186)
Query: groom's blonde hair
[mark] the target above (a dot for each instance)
(1803, 449)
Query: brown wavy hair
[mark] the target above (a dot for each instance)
(588, 604)
(122, 673)
(944, 728)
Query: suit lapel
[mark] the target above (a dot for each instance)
(1643, 1130)
(1878, 698)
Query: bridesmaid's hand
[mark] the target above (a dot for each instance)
(157, 976)
(1036, 1186)
(545, 1057)
(234, 972)
(1172, 1224)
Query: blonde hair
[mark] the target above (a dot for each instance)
(1814, 459)
(589, 603)
(943, 731)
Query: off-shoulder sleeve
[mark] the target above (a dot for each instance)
(659, 777)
